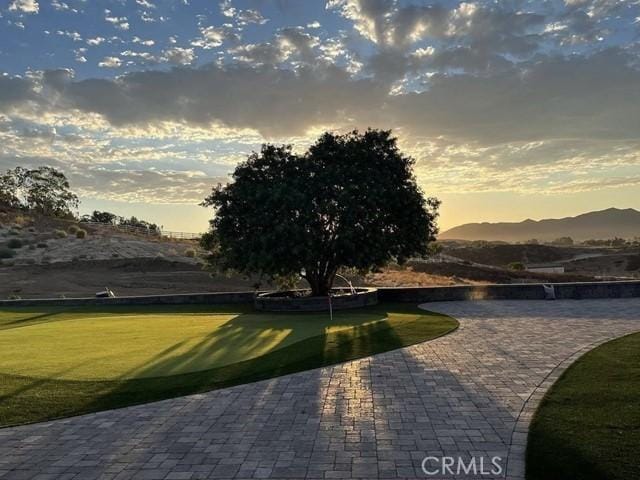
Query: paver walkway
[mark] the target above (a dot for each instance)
(464, 394)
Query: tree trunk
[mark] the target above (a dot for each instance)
(320, 284)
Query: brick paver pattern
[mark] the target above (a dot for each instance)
(469, 393)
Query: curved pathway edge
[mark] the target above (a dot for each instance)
(469, 394)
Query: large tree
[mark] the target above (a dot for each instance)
(44, 190)
(350, 201)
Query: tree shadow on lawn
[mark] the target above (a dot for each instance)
(205, 340)
(588, 424)
(34, 318)
(309, 353)
(33, 400)
(551, 457)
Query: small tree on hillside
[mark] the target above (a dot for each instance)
(104, 217)
(563, 241)
(517, 266)
(350, 201)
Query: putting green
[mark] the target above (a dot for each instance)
(60, 362)
(120, 343)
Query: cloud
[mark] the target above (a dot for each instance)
(110, 62)
(212, 37)
(79, 55)
(471, 37)
(146, 43)
(179, 56)
(145, 4)
(592, 184)
(551, 97)
(510, 96)
(291, 43)
(25, 6)
(387, 24)
(237, 97)
(121, 23)
(242, 17)
(251, 16)
(546, 98)
(62, 6)
(75, 36)
(144, 186)
(15, 91)
(95, 41)
(261, 54)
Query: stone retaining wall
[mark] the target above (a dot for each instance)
(520, 291)
(524, 291)
(178, 299)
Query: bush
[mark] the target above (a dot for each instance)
(191, 253)
(14, 243)
(42, 245)
(60, 234)
(73, 229)
(21, 220)
(6, 253)
(633, 263)
(80, 233)
(517, 266)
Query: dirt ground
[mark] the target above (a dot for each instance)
(46, 263)
(140, 276)
(152, 276)
(620, 265)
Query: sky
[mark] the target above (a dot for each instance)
(512, 109)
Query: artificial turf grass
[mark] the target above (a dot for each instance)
(27, 400)
(123, 342)
(587, 426)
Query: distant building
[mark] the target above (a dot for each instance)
(545, 268)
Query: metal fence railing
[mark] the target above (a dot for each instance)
(141, 230)
(181, 235)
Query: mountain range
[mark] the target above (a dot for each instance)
(603, 224)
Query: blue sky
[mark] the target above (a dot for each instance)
(512, 108)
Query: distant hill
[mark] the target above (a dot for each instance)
(604, 224)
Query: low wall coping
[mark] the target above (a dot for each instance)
(530, 291)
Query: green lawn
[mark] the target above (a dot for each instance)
(588, 425)
(59, 362)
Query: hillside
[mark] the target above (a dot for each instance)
(609, 223)
(44, 257)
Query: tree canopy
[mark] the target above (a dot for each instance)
(351, 201)
(109, 218)
(44, 190)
